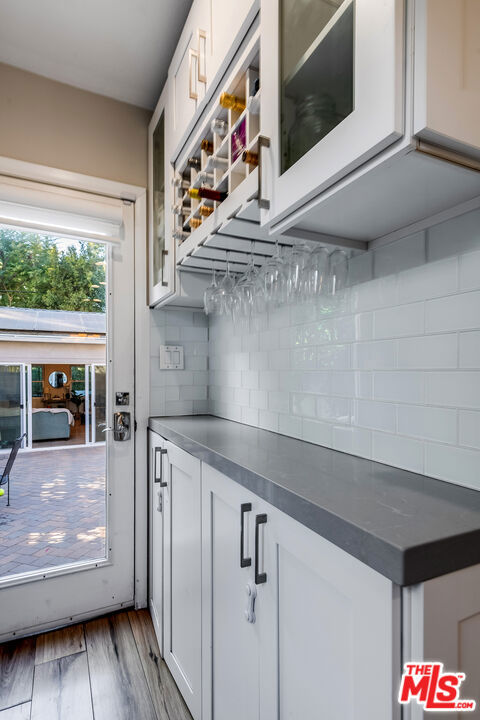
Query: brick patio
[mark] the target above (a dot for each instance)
(57, 509)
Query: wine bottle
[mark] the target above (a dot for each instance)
(207, 145)
(180, 183)
(219, 126)
(232, 102)
(181, 209)
(180, 235)
(250, 158)
(205, 210)
(216, 162)
(194, 163)
(207, 193)
(195, 222)
(205, 177)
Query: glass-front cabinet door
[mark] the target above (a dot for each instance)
(332, 93)
(161, 247)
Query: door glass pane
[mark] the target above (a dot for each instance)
(317, 41)
(158, 200)
(10, 404)
(100, 402)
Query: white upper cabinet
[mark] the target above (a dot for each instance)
(187, 74)
(161, 247)
(332, 92)
(226, 25)
(447, 73)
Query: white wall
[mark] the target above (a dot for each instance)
(179, 392)
(389, 371)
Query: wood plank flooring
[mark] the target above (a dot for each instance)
(104, 669)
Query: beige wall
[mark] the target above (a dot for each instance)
(49, 123)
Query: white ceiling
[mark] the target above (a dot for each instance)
(118, 48)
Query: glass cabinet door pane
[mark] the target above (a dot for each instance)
(317, 74)
(159, 201)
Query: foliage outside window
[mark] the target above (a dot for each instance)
(43, 272)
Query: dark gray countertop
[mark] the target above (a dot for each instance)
(408, 527)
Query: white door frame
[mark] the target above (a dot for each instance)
(137, 194)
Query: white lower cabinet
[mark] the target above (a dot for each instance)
(156, 452)
(323, 620)
(182, 574)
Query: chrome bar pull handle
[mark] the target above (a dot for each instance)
(244, 508)
(158, 474)
(260, 577)
(263, 142)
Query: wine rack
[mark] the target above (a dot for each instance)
(223, 158)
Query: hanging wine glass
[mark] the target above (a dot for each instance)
(338, 271)
(299, 258)
(226, 287)
(315, 273)
(210, 302)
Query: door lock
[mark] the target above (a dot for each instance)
(121, 426)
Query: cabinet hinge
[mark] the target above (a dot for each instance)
(134, 426)
(127, 201)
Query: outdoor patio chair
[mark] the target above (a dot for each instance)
(5, 479)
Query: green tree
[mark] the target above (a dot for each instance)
(38, 272)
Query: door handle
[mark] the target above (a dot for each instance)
(158, 474)
(121, 426)
(263, 142)
(260, 577)
(164, 256)
(244, 508)
(202, 64)
(192, 75)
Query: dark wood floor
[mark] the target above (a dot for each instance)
(105, 669)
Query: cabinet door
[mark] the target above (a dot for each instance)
(332, 92)
(160, 241)
(327, 632)
(155, 467)
(230, 665)
(227, 28)
(447, 73)
(187, 73)
(182, 574)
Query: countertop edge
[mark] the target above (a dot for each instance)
(402, 567)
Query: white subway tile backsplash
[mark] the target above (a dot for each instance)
(268, 420)
(278, 401)
(334, 409)
(428, 281)
(389, 368)
(430, 351)
(194, 333)
(353, 440)
(259, 399)
(454, 389)
(399, 321)
(181, 407)
(374, 415)
(397, 450)
(320, 433)
(399, 386)
(400, 255)
(427, 422)
(469, 428)
(469, 271)
(188, 392)
(457, 312)
(379, 355)
(470, 349)
(454, 464)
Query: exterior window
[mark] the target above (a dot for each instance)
(37, 381)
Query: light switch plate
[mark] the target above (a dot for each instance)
(171, 357)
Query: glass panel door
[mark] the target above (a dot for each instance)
(317, 70)
(12, 405)
(158, 191)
